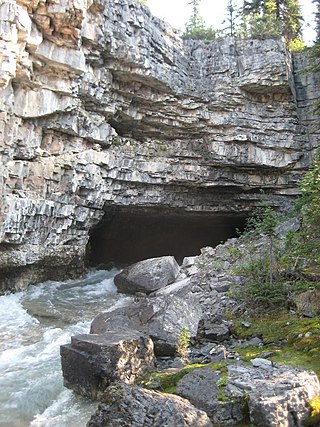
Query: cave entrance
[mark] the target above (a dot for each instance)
(128, 235)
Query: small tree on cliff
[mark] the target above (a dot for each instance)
(273, 18)
(232, 20)
(315, 53)
(195, 27)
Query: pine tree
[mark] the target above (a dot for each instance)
(273, 18)
(233, 15)
(195, 27)
(316, 47)
(196, 22)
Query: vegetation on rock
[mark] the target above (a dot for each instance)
(183, 344)
(256, 19)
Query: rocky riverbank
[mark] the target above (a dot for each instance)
(234, 375)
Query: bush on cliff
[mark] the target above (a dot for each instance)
(277, 266)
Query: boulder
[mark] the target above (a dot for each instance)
(204, 388)
(308, 303)
(216, 331)
(162, 318)
(181, 288)
(147, 276)
(272, 397)
(134, 406)
(92, 362)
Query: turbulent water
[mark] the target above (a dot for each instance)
(34, 324)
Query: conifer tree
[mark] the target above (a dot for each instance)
(195, 27)
(233, 15)
(316, 47)
(196, 22)
(272, 18)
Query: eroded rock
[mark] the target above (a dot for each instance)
(203, 388)
(162, 318)
(272, 397)
(133, 406)
(308, 303)
(92, 362)
(94, 117)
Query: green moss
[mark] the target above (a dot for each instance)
(314, 418)
(294, 340)
(168, 381)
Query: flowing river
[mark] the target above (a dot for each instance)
(34, 324)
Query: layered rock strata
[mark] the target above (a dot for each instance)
(103, 105)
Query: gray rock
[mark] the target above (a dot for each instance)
(92, 362)
(308, 303)
(133, 406)
(64, 165)
(277, 396)
(182, 288)
(258, 362)
(147, 276)
(246, 324)
(252, 341)
(292, 224)
(202, 387)
(162, 318)
(216, 331)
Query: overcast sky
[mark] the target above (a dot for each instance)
(177, 12)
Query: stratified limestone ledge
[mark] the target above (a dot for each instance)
(102, 104)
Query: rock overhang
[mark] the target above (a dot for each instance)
(120, 110)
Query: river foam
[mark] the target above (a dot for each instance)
(33, 325)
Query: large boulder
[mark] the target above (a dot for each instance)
(203, 387)
(269, 395)
(162, 318)
(92, 362)
(136, 407)
(308, 303)
(147, 276)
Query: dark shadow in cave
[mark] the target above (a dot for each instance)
(127, 235)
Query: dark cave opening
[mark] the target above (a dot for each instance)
(128, 235)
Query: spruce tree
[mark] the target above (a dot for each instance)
(273, 18)
(196, 23)
(195, 27)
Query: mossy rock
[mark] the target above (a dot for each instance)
(308, 303)
(294, 340)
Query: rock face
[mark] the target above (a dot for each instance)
(132, 406)
(147, 276)
(104, 106)
(162, 318)
(92, 362)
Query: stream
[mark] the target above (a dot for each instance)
(34, 323)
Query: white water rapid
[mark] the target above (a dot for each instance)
(34, 324)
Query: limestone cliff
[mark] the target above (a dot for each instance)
(103, 105)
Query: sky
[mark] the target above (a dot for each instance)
(177, 13)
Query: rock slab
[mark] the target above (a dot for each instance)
(161, 318)
(92, 362)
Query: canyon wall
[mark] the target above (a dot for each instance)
(104, 107)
